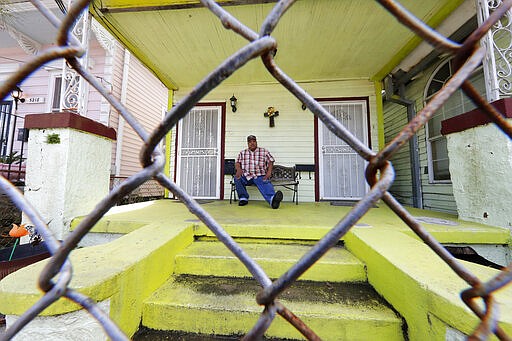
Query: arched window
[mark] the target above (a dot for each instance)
(458, 103)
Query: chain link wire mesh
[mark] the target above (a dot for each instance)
(149, 190)
(56, 276)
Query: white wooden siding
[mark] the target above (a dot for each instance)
(291, 141)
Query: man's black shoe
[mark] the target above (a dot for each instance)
(243, 202)
(276, 200)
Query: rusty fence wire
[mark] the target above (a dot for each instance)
(56, 276)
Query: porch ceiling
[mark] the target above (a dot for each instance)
(23, 18)
(317, 40)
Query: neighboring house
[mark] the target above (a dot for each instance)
(117, 70)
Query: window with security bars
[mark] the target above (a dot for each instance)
(457, 104)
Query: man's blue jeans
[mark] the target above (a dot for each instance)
(264, 186)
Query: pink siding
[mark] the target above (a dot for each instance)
(34, 86)
(97, 62)
(146, 98)
(117, 77)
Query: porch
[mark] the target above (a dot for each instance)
(307, 221)
(146, 239)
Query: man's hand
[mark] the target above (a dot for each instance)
(269, 171)
(267, 176)
(239, 171)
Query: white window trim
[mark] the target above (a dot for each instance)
(430, 163)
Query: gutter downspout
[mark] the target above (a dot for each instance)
(417, 197)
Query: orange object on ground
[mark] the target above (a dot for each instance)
(18, 231)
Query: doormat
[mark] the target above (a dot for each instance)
(347, 203)
(203, 201)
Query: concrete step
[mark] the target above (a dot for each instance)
(226, 306)
(214, 259)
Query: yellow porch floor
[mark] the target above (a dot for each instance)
(132, 267)
(309, 221)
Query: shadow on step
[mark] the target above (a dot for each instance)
(146, 334)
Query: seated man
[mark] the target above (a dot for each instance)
(254, 166)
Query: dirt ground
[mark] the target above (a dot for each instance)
(9, 214)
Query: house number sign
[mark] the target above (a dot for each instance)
(34, 100)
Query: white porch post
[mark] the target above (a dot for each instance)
(480, 166)
(498, 60)
(480, 153)
(74, 89)
(68, 171)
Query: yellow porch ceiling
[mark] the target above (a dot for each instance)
(318, 40)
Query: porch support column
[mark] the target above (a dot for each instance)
(481, 166)
(74, 89)
(68, 166)
(498, 59)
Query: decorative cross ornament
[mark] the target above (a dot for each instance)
(271, 113)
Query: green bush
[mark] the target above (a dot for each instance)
(12, 158)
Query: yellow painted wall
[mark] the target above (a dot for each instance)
(291, 141)
(420, 286)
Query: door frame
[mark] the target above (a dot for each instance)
(222, 143)
(316, 134)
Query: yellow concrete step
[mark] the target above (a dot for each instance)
(214, 259)
(227, 306)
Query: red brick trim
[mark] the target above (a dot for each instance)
(68, 120)
(475, 117)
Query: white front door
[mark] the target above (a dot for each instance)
(341, 169)
(198, 161)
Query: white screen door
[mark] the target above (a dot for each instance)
(198, 162)
(341, 169)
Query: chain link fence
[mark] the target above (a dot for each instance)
(55, 278)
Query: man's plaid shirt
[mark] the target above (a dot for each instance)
(255, 163)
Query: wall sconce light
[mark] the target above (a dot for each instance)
(16, 94)
(233, 101)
